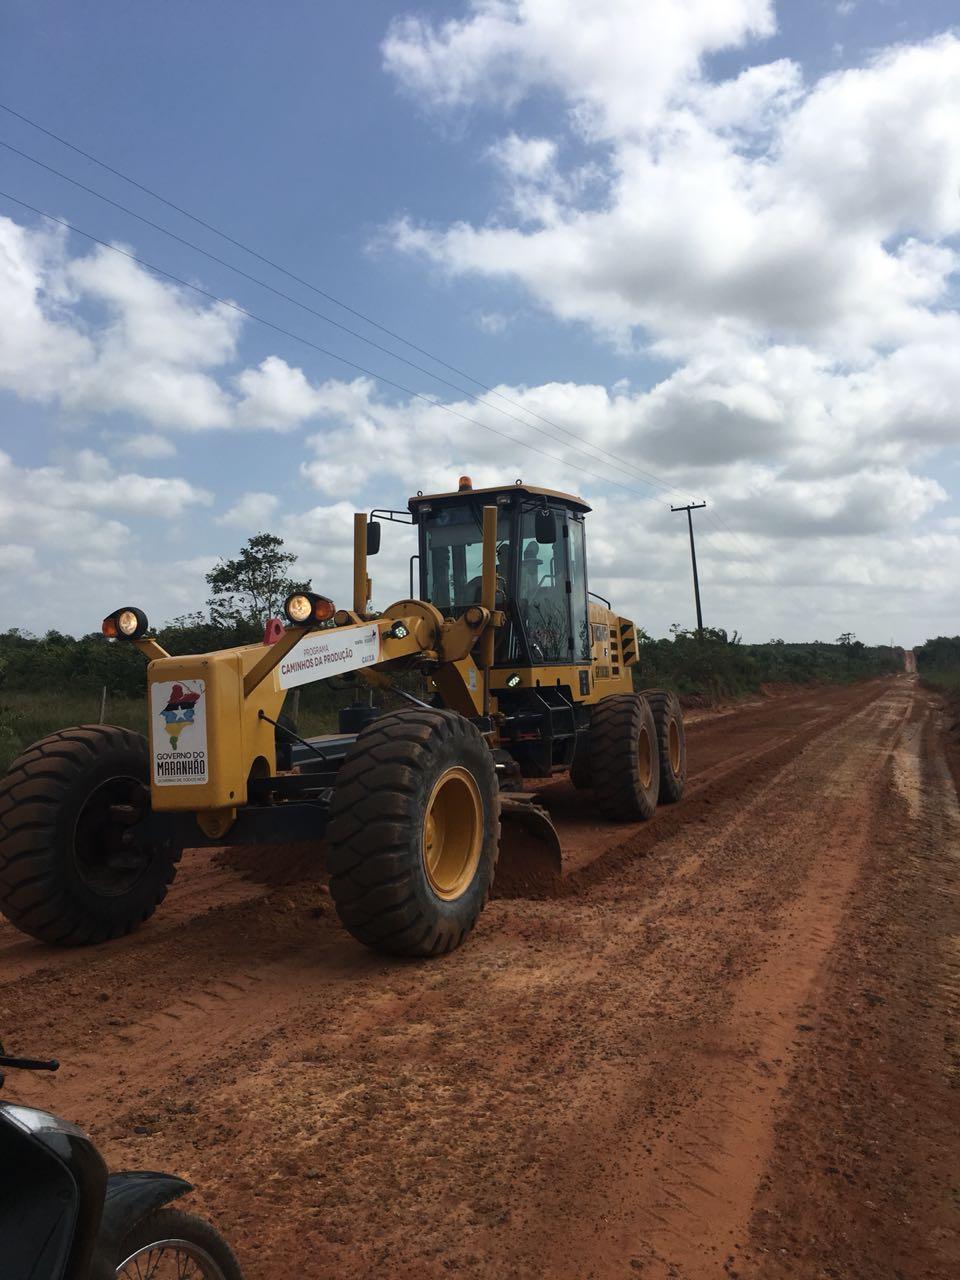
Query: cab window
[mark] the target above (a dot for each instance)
(453, 556)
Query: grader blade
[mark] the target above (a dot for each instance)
(531, 857)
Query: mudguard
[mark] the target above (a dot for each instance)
(130, 1197)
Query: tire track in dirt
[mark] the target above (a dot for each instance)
(499, 1112)
(677, 1198)
(863, 1177)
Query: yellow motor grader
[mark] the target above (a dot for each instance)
(525, 675)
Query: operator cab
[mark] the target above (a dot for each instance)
(541, 567)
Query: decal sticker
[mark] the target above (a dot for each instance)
(330, 653)
(179, 723)
(471, 679)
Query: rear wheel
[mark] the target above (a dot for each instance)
(172, 1245)
(72, 869)
(624, 758)
(668, 717)
(414, 832)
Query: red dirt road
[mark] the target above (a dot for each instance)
(730, 1047)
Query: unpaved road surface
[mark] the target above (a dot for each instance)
(728, 1048)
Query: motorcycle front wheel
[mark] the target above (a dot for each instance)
(172, 1245)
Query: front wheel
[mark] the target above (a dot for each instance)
(172, 1245)
(72, 867)
(414, 832)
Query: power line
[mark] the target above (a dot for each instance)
(289, 333)
(648, 477)
(336, 323)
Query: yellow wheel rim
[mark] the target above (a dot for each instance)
(452, 833)
(645, 758)
(673, 736)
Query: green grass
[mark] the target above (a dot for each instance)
(25, 717)
(946, 678)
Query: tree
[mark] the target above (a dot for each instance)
(253, 587)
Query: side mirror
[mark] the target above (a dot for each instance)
(546, 527)
(373, 537)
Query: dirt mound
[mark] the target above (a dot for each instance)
(275, 864)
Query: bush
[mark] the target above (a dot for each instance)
(712, 665)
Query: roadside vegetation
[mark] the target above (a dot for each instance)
(51, 682)
(713, 665)
(938, 663)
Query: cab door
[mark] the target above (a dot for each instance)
(577, 587)
(552, 588)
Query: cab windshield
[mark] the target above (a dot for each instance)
(453, 549)
(541, 586)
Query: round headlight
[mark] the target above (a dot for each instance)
(125, 624)
(299, 609)
(305, 608)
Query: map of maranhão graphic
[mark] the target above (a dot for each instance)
(178, 714)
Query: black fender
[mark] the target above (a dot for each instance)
(130, 1197)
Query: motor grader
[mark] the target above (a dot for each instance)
(524, 674)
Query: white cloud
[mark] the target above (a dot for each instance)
(787, 250)
(72, 511)
(619, 62)
(780, 442)
(788, 247)
(493, 322)
(878, 144)
(16, 558)
(276, 396)
(818, 229)
(252, 512)
(100, 335)
(147, 446)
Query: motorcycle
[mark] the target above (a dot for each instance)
(63, 1217)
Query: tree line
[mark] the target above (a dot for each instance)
(941, 654)
(247, 590)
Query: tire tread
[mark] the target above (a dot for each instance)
(28, 832)
(366, 853)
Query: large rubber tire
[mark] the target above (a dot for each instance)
(379, 840)
(581, 774)
(66, 877)
(624, 759)
(668, 717)
(175, 1225)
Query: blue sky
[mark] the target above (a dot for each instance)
(463, 173)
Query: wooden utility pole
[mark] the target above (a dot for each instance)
(694, 506)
